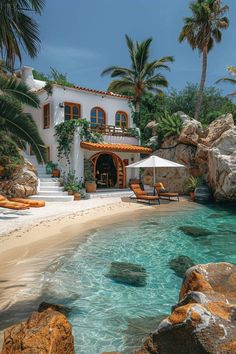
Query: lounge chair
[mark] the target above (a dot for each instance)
(29, 202)
(162, 192)
(5, 203)
(142, 195)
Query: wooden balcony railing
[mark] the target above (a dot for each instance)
(113, 130)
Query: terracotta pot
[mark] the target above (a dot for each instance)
(192, 196)
(77, 196)
(2, 171)
(90, 187)
(55, 173)
(70, 192)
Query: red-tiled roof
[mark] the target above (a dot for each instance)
(105, 93)
(115, 147)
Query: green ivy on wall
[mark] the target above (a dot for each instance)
(65, 136)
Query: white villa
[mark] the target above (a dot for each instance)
(107, 113)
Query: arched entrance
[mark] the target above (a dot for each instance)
(109, 170)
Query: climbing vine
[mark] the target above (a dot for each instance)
(65, 136)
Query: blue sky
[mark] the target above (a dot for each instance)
(82, 37)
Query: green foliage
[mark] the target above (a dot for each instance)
(213, 103)
(18, 30)
(88, 171)
(65, 135)
(13, 120)
(71, 182)
(169, 125)
(10, 157)
(55, 77)
(193, 183)
(231, 80)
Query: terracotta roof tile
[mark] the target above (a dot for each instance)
(115, 147)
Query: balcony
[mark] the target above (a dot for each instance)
(112, 130)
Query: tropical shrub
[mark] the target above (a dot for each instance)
(10, 157)
(193, 183)
(71, 182)
(169, 125)
(88, 171)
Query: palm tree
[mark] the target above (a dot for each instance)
(232, 71)
(202, 31)
(142, 75)
(18, 30)
(13, 120)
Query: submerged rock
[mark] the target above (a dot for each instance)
(204, 320)
(195, 231)
(46, 332)
(180, 265)
(127, 273)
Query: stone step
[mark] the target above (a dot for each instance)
(49, 184)
(53, 198)
(44, 175)
(48, 179)
(119, 194)
(45, 192)
(50, 187)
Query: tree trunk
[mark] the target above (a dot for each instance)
(137, 110)
(202, 84)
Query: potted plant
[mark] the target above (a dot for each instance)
(49, 167)
(72, 185)
(90, 184)
(192, 184)
(55, 170)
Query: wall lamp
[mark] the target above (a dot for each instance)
(61, 105)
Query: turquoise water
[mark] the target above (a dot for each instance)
(109, 316)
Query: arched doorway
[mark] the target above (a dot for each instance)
(109, 170)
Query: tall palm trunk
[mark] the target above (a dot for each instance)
(202, 84)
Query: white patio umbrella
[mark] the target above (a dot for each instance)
(154, 162)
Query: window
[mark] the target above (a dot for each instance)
(121, 119)
(46, 116)
(72, 110)
(98, 117)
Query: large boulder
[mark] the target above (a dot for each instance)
(191, 131)
(217, 128)
(22, 184)
(46, 332)
(222, 166)
(204, 320)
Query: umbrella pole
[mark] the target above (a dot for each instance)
(154, 180)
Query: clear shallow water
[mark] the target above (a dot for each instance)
(107, 316)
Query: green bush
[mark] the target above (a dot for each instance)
(10, 157)
(169, 125)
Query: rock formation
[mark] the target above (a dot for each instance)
(45, 332)
(210, 153)
(22, 184)
(204, 320)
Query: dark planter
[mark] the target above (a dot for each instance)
(203, 193)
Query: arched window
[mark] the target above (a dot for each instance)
(72, 110)
(121, 119)
(98, 117)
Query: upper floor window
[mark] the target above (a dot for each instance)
(98, 117)
(121, 119)
(46, 116)
(72, 110)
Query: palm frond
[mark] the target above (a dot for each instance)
(14, 120)
(18, 90)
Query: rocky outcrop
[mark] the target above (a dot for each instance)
(210, 154)
(22, 183)
(204, 320)
(46, 332)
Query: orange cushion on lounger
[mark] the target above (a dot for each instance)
(30, 202)
(13, 205)
(2, 198)
(159, 186)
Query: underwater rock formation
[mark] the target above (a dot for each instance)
(127, 273)
(46, 332)
(195, 231)
(204, 320)
(180, 265)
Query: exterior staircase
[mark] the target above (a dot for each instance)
(49, 188)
